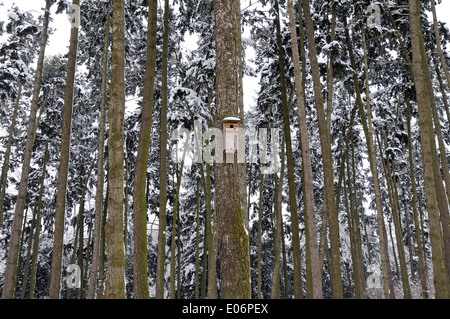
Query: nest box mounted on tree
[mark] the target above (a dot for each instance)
(230, 137)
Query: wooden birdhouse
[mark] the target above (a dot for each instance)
(230, 137)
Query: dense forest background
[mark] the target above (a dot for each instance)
(346, 188)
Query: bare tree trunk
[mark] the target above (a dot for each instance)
(233, 234)
(140, 272)
(307, 168)
(426, 134)
(115, 282)
(23, 288)
(261, 188)
(327, 159)
(395, 208)
(100, 168)
(278, 238)
(13, 252)
(174, 224)
(163, 162)
(102, 248)
(422, 266)
(368, 132)
(34, 259)
(58, 238)
(290, 164)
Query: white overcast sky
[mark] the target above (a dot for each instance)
(59, 40)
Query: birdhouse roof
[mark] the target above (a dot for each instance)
(231, 119)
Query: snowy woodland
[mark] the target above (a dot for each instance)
(113, 183)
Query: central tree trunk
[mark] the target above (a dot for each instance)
(233, 235)
(115, 282)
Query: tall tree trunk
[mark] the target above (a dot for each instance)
(260, 204)
(58, 238)
(79, 229)
(86, 263)
(115, 282)
(13, 252)
(102, 248)
(163, 161)
(140, 272)
(290, 164)
(278, 238)
(426, 134)
(306, 160)
(368, 132)
(422, 266)
(397, 271)
(80, 254)
(409, 236)
(5, 167)
(175, 222)
(395, 208)
(75, 246)
(327, 158)
(179, 260)
(34, 259)
(358, 249)
(212, 232)
(231, 216)
(100, 168)
(23, 288)
(206, 182)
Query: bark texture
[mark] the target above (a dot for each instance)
(115, 280)
(55, 282)
(233, 236)
(140, 272)
(16, 229)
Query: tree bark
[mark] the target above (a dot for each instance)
(163, 161)
(34, 259)
(426, 134)
(290, 164)
(140, 272)
(13, 252)
(23, 288)
(306, 160)
(58, 238)
(368, 132)
(422, 266)
(175, 221)
(100, 169)
(115, 282)
(327, 159)
(233, 235)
